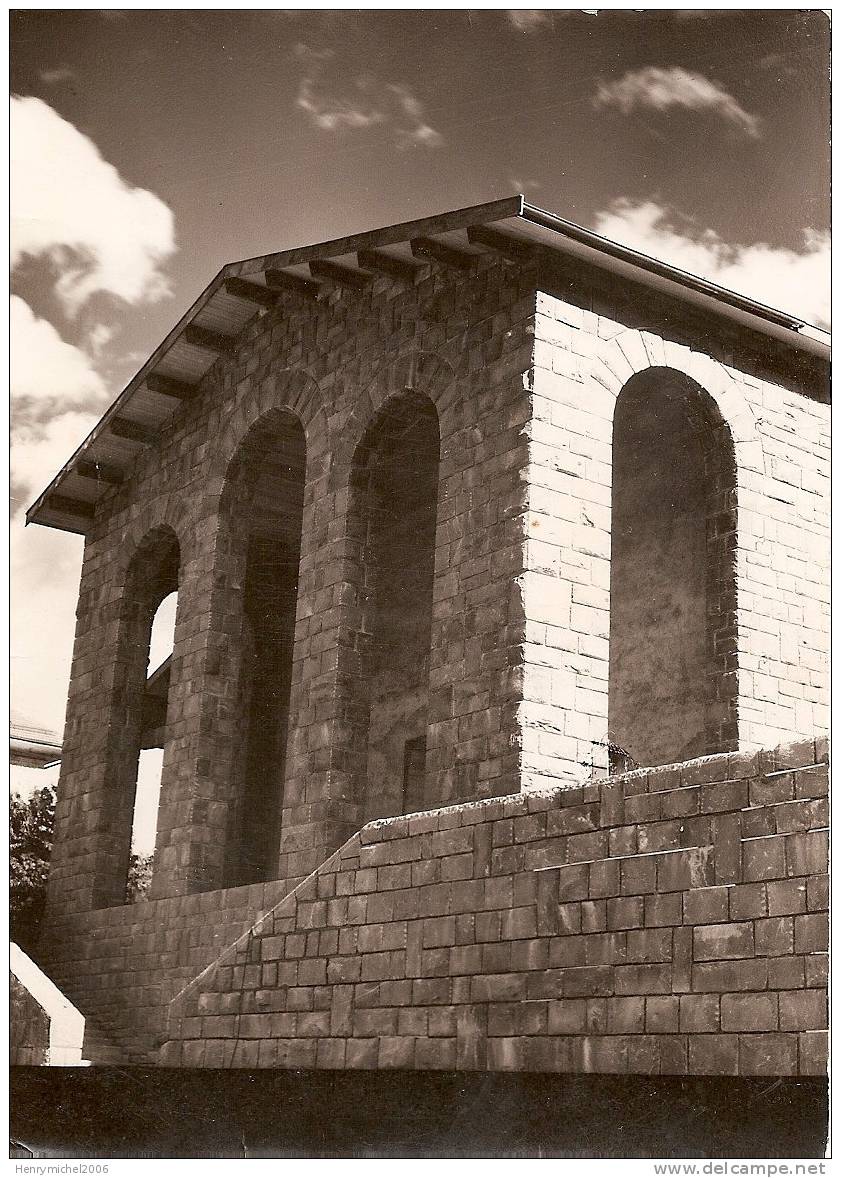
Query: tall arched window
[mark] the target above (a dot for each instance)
(262, 509)
(672, 688)
(391, 541)
(152, 741)
(138, 717)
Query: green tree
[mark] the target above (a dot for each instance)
(139, 877)
(30, 843)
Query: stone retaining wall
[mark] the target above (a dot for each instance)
(670, 921)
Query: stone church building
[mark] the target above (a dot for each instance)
(494, 730)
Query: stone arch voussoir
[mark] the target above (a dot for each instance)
(175, 512)
(290, 390)
(421, 372)
(633, 351)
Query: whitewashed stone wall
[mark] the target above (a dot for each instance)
(581, 363)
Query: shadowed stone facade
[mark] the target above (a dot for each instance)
(388, 506)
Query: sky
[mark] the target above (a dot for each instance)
(148, 148)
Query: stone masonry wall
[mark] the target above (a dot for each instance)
(669, 921)
(582, 361)
(121, 966)
(457, 338)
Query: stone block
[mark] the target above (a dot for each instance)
(663, 910)
(714, 1055)
(626, 1015)
(764, 858)
(706, 905)
(748, 901)
(811, 933)
(643, 979)
(768, 1055)
(813, 1053)
(774, 936)
(803, 1010)
(724, 976)
(723, 941)
(584, 981)
(699, 1013)
(749, 1012)
(662, 1014)
(786, 973)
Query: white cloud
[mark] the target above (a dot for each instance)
(39, 450)
(48, 374)
(57, 397)
(363, 102)
(45, 569)
(414, 131)
(796, 281)
(660, 89)
(69, 205)
(528, 20)
(517, 184)
(54, 77)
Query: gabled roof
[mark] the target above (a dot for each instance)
(242, 290)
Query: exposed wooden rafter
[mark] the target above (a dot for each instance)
(132, 431)
(99, 472)
(501, 243)
(393, 267)
(355, 279)
(252, 292)
(213, 341)
(73, 507)
(167, 387)
(283, 280)
(444, 255)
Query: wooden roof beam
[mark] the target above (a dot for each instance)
(343, 275)
(252, 292)
(445, 255)
(167, 387)
(392, 267)
(213, 341)
(132, 431)
(78, 508)
(501, 243)
(282, 280)
(98, 472)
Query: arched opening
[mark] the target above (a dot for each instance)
(262, 509)
(147, 794)
(391, 542)
(672, 686)
(137, 732)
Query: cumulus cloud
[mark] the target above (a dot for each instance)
(45, 569)
(362, 102)
(54, 391)
(71, 206)
(48, 374)
(57, 396)
(661, 89)
(795, 281)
